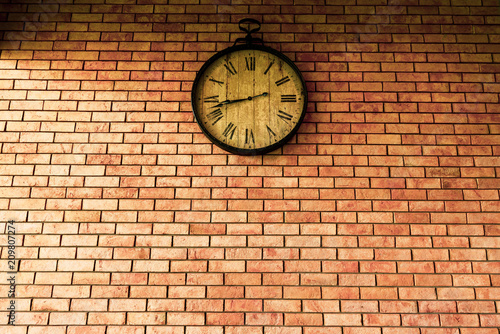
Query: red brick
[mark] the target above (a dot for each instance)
(420, 320)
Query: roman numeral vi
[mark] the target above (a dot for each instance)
(249, 137)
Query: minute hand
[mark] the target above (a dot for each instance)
(223, 103)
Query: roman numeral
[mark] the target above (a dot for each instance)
(284, 116)
(220, 83)
(230, 128)
(250, 63)
(230, 68)
(282, 81)
(271, 134)
(267, 69)
(211, 99)
(249, 137)
(215, 116)
(288, 98)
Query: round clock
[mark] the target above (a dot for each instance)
(249, 99)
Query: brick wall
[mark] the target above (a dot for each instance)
(380, 216)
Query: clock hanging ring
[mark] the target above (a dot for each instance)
(249, 99)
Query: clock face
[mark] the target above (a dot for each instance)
(249, 99)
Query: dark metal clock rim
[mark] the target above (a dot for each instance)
(242, 151)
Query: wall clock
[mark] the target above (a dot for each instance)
(249, 98)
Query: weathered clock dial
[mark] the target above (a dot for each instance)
(249, 99)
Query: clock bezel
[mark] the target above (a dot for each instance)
(243, 151)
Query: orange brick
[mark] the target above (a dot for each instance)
(117, 318)
(420, 320)
(185, 318)
(264, 319)
(342, 320)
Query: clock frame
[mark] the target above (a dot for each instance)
(203, 104)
